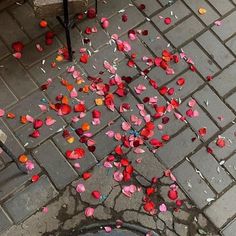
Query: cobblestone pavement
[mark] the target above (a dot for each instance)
(204, 165)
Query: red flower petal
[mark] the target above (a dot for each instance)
(96, 194)
(65, 109)
(38, 123)
(167, 20)
(86, 175)
(149, 206)
(220, 142)
(118, 150)
(17, 46)
(91, 13)
(150, 191)
(181, 81)
(202, 131)
(79, 108)
(172, 194)
(35, 134)
(84, 58)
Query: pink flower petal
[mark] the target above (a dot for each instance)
(110, 133)
(29, 118)
(89, 211)
(218, 22)
(80, 188)
(192, 103)
(2, 112)
(162, 208)
(118, 176)
(50, 121)
(77, 165)
(126, 126)
(138, 150)
(43, 108)
(107, 164)
(108, 229)
(73, 93)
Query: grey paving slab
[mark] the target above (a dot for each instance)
(11, 31)
(3, 50)
(231, 44)
(25, 203)
(227, 24)
(210, 43)
(171, 154)
(201, 121)
(207, 18)
(176, 12)
(222, 209)
(5, 221)
(189, 181)
(231, 101)
(222, 7)
(184, 31)
(18, 79)
(7, 97)
(202, 62)
(230, 138)
(214, 106)
(85, 163)
(211, 170)
(51, 159)
(225, 81)
(230, 229)
(230, 165)
(151, 6)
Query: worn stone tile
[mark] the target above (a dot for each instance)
(171, 154)
(225, 81)
(229, 229)
(214, 106)
(222, 209)
(202, 62)
(231, 101)
(225, 30)
(189, 181)
(3, 50)
(29, 200)
(222, 6)
(151, 6)
(52, 160)
(231, 44)
(176, 12)
(208, 18)
(17, 79)
(5, 221)
(200, 121)
(11, 31)
(230, 165)
(211, 170)
(184, 31)
(215, 49)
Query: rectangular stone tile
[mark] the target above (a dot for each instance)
(231, 101)
(184, 31)
(85, 163)
(11, 31)
(211, 170)
(153, 40)
(171, 153)
(16, 77)
(207, 18)
(51, 159)
(117, 26)
(151, 6)
(225, 81)
(222, 209)
(12, 179)
(192, 83)
(155, 168)
(227, 26)
(202, 62)
(176, 12)
(230, 165)
(230, 147)
(214, 106)
(193, 185)
(222, 6)
(5, 221)
(45, 131)
(229, 229)
(7, 98)
(231, 44)
(199, 122)
(3, 50)
(216, 49)
(25, 203)
(26, 106)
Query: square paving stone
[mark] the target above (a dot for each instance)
(87, 162)
(149, 167)
(5, 221)
(222, 209)
(7, 97)
(176, 12)
(11, 31)
(171, 153)
(3, 50)
(216, 49)
(227, 26)
(26, 106)
(231, 44)
(214, 106)
(117, 26)
(231, 101)
(153, 40)
(229, 135)
(230, 165)
(230, 229)
(16, 77)
(151, 6)
(211, 170)
(225, 81)
(45, 131)
(222, 6)
(184, 31)
(202, 62)
(200, 121)
(26, 202)
(208, 18)
(190, 181)
(51, 159)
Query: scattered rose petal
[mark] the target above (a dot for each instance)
(80, 188)
(89, 211)
(163, 208)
